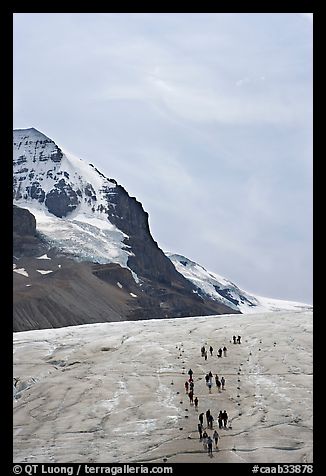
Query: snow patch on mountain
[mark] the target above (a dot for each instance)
(43, 257)
(21, 271)
(82, 235)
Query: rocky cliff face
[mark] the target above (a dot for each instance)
(147, 260)
(24, 222)
(26, 240)
(80, 213)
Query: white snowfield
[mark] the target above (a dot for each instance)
(81, 235)
(43, 257)
(115, 392)
(21, 271)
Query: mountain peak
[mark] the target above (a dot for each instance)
(30, 133)
(47, 176)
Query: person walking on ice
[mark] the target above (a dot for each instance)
(190, 373)
(223, 383)
(239, 339)
(186, 386)
(208, 412)
(204, 440)
(196, 403)
(220, 420)
(218, 383)
(191, 397)
(210, 446)
(211, 350)
(200, 431)
(216, 438)
(225, 419)
(201, 419)
(224, 351)
(234, 339)
(210, 421)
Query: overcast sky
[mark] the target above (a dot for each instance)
(204, 118)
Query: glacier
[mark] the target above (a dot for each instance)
(114, 392)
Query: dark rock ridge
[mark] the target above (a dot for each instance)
(62, 199)
(24, 223)
(76, 293)
(148, 260)
(26, 239)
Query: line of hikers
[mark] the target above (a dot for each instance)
(222, 420)
(203, 435)
(219, 383)
(190, 385)
(222, 417)
(208, 441)
(219, 352)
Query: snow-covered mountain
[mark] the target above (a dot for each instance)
(55, 185)
(225, 291)
(90, 228)
(79, 216)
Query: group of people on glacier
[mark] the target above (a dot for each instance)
(222, 418)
